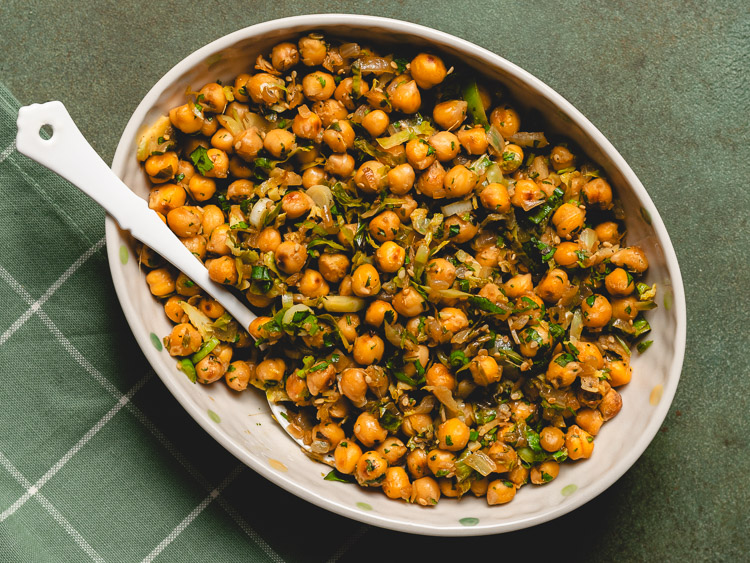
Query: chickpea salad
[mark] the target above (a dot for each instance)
(445, 300)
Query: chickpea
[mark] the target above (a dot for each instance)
(406, 97)
(419, 153)
(441, 462)
(590, 420)
(346, 456)
(339, 136)
(312, 284)
(345, 94)
(329, 111)
(279, 142)
(240, 190)
(500, 492)
(484, 370)
(620, 372)
(588, 352)
(345, 287)
(488, 256)
(296, 204)
(562, 371)
(248, 143)
(380, 311)
(237, 375)
(212, 97)
(393, 450)
(390, 257)
(565, 254)
(376, 122)
(185, 221)
(290, 256)
(518, 285)
(473, 140)
(306, 126)
(166, 197)
(553, 286)
(452, 320)
(453, 435)
(440, 376)
(406, 206)
(545, 472)
(186, 118)
(633, 258)
(268, 240)
(371, 177)
(409, 303)
(430, 182)
(596, 310)
(223, 270)
(368, 430)
(568, 220)
(598, 192)
(161, 167)
(260, 329)
(284, 56)
(217, 241)
(527, 193)
(440, 274)
(625, 309)
(315, 175)
(460, 181)
(494, 293)
(239, 167)
(417, 425)
(312, 50)
(318, 86)
(174, 311)
(608, 232)
(183, 340)
(255, 300)
(385, 226)
(560, 157)
(610, 405)
(211, 308)
(551, 438)
(416, 462)
(328, 432)
(466, 229)
(451, 114)
(619, 283)
(320, 379)
(506, 120)
(201, 188)
(265, 89)
(213, 216)
(428, 70)
(512, 159)
(366, 281)
(519, 475)
(534, 339)
(495, 198)
(341, 165)
(209, 369)
(371, 468)
(401, 178)
(333, 267)
(503, 455)
(160, 282)
(353, 385)
(368, 349)
(396, 484)
(348, 325)
(240, 87)
(579, 443)
(296, 389)
(446, 145)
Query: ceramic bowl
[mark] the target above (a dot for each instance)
(242, 423)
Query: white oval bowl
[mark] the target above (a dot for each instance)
(242, 423)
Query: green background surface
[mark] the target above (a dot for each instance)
(666, 82)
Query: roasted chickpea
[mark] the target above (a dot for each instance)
(315, 175)
(307, 124)
(620, 372)
(166, 197)
(488, 256)
(209, 369)
(329, 111)
(534, 339)
(376, 122)
(562, 371)
(396, 484)
(446, 145)
(368, 430)
(371, 177)
(384, 226)
(625, 309)
(186, 118)
(512, 159)
(240, 190)
(633, 258)
(500, 492)
(328, 432)
(174, 311)
(353, 385)
(160, 282)
(265, 88)
(568, 220)
(416, 462)
(393, 450)
(419, 153)
(596, 310)
(589, 352)
(551, 438)
(248, 143)
(417, 425)
(290, 256)
(545, 472)
(527, 193)
(608, 232)
(590, 420)
(268, 240)
(201, 188)
(223, 270)
(341, 165)
(610, 405)
(440, 274)
(211, 308)
(560, 157)
(553, 286)
(345, 287)
(333, 267)
(312, 50)
(339, 136)
(495, 198)
(479, 486)
(428, 70)
(368, 349)
(366, 281)
(260, 328)
(459, 181)
(598, 192)
(348, 325)
(518, 285)
(565, 254)
(185, 221)
(425, 492)
(409, 303)
(296, 204)
(161, 167)
(312, 284)
(506, 120)
(346, 456)
(441, 462)
(237, 375)
(296, 389)
(390, 257)
(406, 206)
(217, 241)
(380, 311)
(473, 140)
(318, 86)
(183, 340)
(503, 455)
(284, 56)
(212, 97)
(579, 443)
(466, 229)
(401, 179)
(453, 435)
(430, 182)
(440, 376)
(371, 468)
(484, 370)
(619, 282)
(406, 97)
(452, 320)
(279, 142)
(451, 114)
(345, 94)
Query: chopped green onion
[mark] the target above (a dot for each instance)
(205, 350)
(188, 368)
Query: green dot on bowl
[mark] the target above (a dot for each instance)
(469, 521)
(569, 490)
(124, 254)
(213, 416)
(156, 342)
(364, 506)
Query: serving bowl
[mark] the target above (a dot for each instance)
(242, 423)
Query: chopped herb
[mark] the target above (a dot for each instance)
(201, 160)
(643, 346)
(590, 300)
(334, 475)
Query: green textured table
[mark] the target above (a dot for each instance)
(666, 82)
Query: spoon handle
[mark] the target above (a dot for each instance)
(67, 153)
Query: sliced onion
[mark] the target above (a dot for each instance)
(529, 205)
(540, 168)
(496, 139)
(293, 310)
(576, 326)
(230, 123)
(377, 65)
(258, 211)
(588, 239)
(251, 119)
(349, 50)
(456, 207)
(481, 462)
(287, 300)
(321, 195)
(524, 139)
(445, 396)
(343, 304)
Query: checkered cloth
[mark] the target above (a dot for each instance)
(97, 459)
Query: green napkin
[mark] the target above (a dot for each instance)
(97, 460)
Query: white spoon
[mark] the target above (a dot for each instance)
(68, 154)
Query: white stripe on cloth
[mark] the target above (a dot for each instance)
(7, 151)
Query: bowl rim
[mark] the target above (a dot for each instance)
(315, 21)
